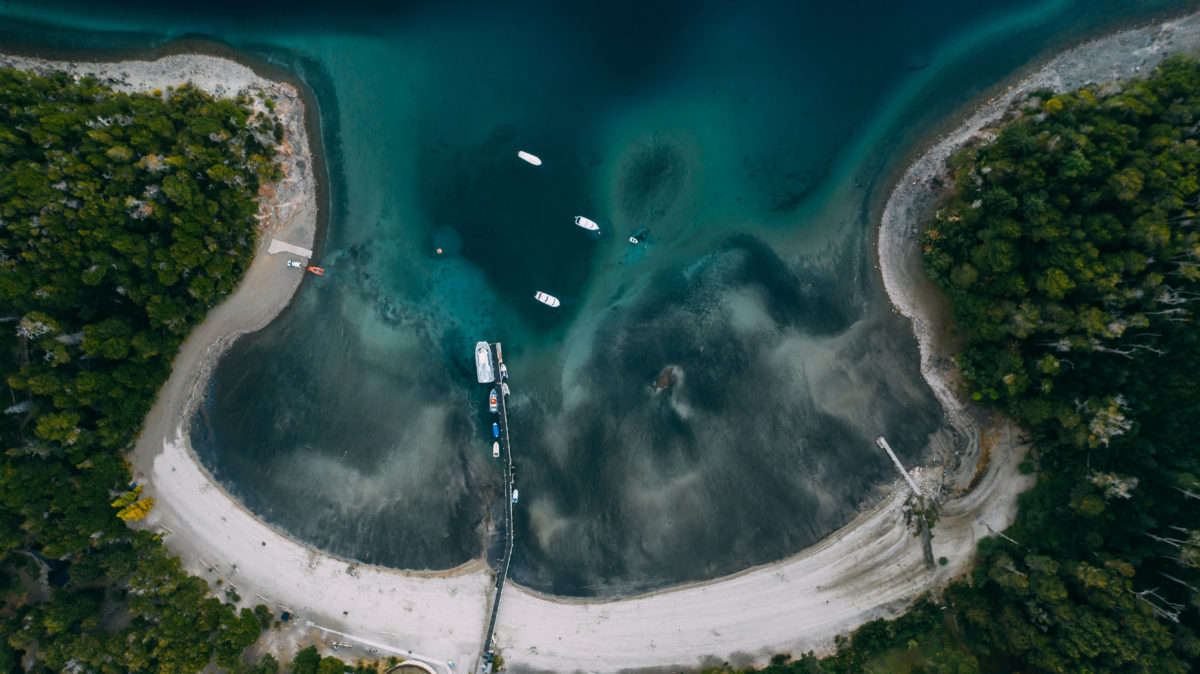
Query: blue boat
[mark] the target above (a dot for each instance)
(495, 430)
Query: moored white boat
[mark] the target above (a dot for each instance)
(547, 299)
(586, 223)
(483, 363)
(531, 158)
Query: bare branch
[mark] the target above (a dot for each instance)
(1168, 576)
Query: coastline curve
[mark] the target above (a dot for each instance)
(869, 568)
(214, 536)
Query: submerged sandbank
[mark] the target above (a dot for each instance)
(872, 567)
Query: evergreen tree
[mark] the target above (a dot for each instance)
(123, 218)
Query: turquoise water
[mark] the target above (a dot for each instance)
(750, 141)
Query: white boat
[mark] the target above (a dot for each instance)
(531, 158)
(586, 223)
(516, 493)
(496, 450)
(548, 300)
(503, 372)
(483, 363)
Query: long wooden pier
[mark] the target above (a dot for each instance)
(924, 521)
(506, 558)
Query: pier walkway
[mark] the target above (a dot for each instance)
(506, 558)
(277, 246)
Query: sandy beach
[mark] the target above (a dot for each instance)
(872, 567)
(394, 612)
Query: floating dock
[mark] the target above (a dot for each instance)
(496, 356)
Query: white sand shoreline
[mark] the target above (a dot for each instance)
(205, 526)
(870, 568)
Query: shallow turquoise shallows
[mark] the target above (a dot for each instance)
(703, 400)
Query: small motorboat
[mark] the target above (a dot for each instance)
(547, 299)
(496, 450)
(516, 492)
(586, 223)
(639, 236)
(493, 404)
(495, 430)
(316, 270)
(504, 389)
(531, 158)
(503, 371)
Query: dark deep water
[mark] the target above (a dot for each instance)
(748, 138)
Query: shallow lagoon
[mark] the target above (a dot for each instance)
(751, 142)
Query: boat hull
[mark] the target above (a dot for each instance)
(484, 370)
(547, 299)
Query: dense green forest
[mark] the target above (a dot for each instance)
(1070, 248)
(123, 218)
(1071, 253)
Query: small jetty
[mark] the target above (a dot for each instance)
(922, 508)
(495, 355)
(883, 444)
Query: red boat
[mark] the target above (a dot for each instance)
(316, 270)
